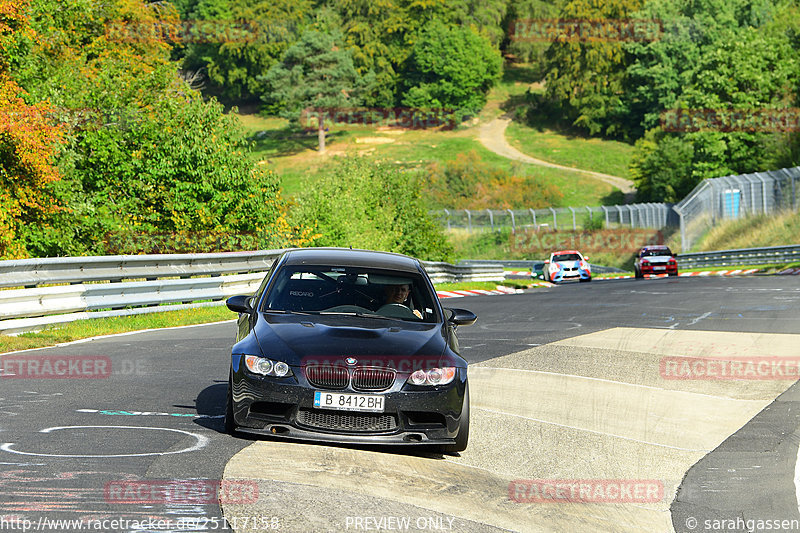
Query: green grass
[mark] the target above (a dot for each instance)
(292, 154)
(752, 232)
(599, 155)
(84, 329)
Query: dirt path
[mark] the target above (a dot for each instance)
(493, 136)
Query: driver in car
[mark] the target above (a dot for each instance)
(398, 294)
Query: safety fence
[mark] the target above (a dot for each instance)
(713, 200)
(733, 197)
(649, 215)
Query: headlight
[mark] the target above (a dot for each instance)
(434, 376)
(266, 367)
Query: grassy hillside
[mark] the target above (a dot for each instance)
(752, 232)
(291, 151)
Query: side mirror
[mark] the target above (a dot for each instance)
(586, 258)
(546, 261)
(239, 303)
(675, 255)
(461, 317)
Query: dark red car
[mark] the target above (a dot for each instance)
(657, 259)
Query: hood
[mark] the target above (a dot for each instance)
(301, 340)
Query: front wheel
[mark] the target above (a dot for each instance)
(463, 428)
(587, 279)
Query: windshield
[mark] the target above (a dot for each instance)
(566, 257)
(379, 294)
(656, 253)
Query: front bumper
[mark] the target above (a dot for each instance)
(659, 269)
(564, 275)
(285, 408)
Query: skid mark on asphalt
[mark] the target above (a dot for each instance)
(589, 407)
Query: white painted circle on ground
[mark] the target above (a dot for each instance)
(202, 441)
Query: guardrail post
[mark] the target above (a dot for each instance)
(533, 214)
(605, 210)
(591, 215)
(574, 227)
(448, 218)
(513, 225)
(555, 218)
(469, 220)
(491, 218)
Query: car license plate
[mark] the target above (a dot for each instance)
(348, 402)
(659, 268)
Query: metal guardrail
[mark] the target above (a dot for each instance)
(740, 257)
(53, 270)
(533, 265)
(61, 290)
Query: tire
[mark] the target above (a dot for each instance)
(463, 429)
(587, 280)
(230, 424)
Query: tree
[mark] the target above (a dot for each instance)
(246, 38)
(720, 122)
(585, 73)
(366, 205)
(451, 68)
(661, 167)
(142, 151)
(28, 141)
(318, 75)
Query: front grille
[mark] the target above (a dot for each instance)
(360, 422)
(373, 379)
(327, 376)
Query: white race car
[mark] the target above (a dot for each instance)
(567, 265)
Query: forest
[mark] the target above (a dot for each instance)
(116, 123)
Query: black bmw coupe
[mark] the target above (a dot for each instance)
(349, 346)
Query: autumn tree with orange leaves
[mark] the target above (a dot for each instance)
(28, 140)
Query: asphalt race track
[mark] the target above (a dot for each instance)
(579, 387)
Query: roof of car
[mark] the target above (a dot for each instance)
(349, 257)
(656, 247)
(566, 252)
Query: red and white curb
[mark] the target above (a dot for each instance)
(789, 272)
(477, 292)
